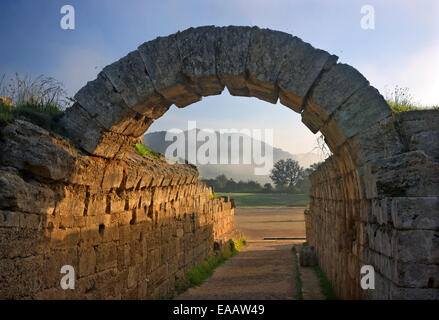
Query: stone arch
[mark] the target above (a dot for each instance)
(353, 190)
(180, 69)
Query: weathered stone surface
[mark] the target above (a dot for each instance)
(331, 91)
(381, 140)
(416, 275)
(416, 246)
(419, 130)
(164, 66)
(129, 77)
(308, 256)
(106, 105)
(18, 195)
(197, 49)
(299, 72)
(416, 213)
(114, 221)
(267, 51)
(365, 108)
(131, 224)
(82, 129)
(409, 174)
(231, 58)
(28, 147)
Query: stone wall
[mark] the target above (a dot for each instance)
(392, 221)
(131, 228)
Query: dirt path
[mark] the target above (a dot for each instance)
(263, 270)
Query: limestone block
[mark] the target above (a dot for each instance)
(415, 275)
(361, 110)
(83, 129)
(106, 256)
(332, 90)
(128, 75)
(113, 176)
(308, 256)
(197, 47)
(267, 51)
(415, 213)
(18, 195)
(380, 140)
(71, 202)
(231, 58)
(399, 293)
(164, 67)
(10, 219)
(87, 261)
(416, 246)
(106, 106)
(409, 174)
(300, 70)
(43, 157)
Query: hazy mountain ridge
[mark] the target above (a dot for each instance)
(156, 141)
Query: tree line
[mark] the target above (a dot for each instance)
(287, 177)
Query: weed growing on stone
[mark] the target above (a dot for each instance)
(401, 100)
(44, 116)
(298, 278)
(145, 151)
(325, 285)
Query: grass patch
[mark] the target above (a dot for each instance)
(45, 116)
(145, 151)
(197, 275)
(268, 199)
(213, 196)
(400, 100)
(298, 278)
(325, 285)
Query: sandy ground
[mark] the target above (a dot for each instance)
(259, 223)
(264, 269)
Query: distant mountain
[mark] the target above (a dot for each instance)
(156, 141)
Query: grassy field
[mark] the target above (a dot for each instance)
(268, 199)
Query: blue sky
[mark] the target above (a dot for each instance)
(403, 49)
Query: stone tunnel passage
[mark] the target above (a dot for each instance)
(375, 201)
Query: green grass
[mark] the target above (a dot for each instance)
(268, 199)
(404, 107)
(45, 116)
(298, 278)
(325, 285)
(145, 151)
(197, 275)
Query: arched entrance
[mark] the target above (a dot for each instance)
(114, 110)
(374, 202)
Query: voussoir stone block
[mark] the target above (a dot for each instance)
(267, 51)
(362, 110)
(197, 47)
(106, 105)
(164, 66)
(300, 70)
(231, 58)
(128, 75)
(333, 89)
